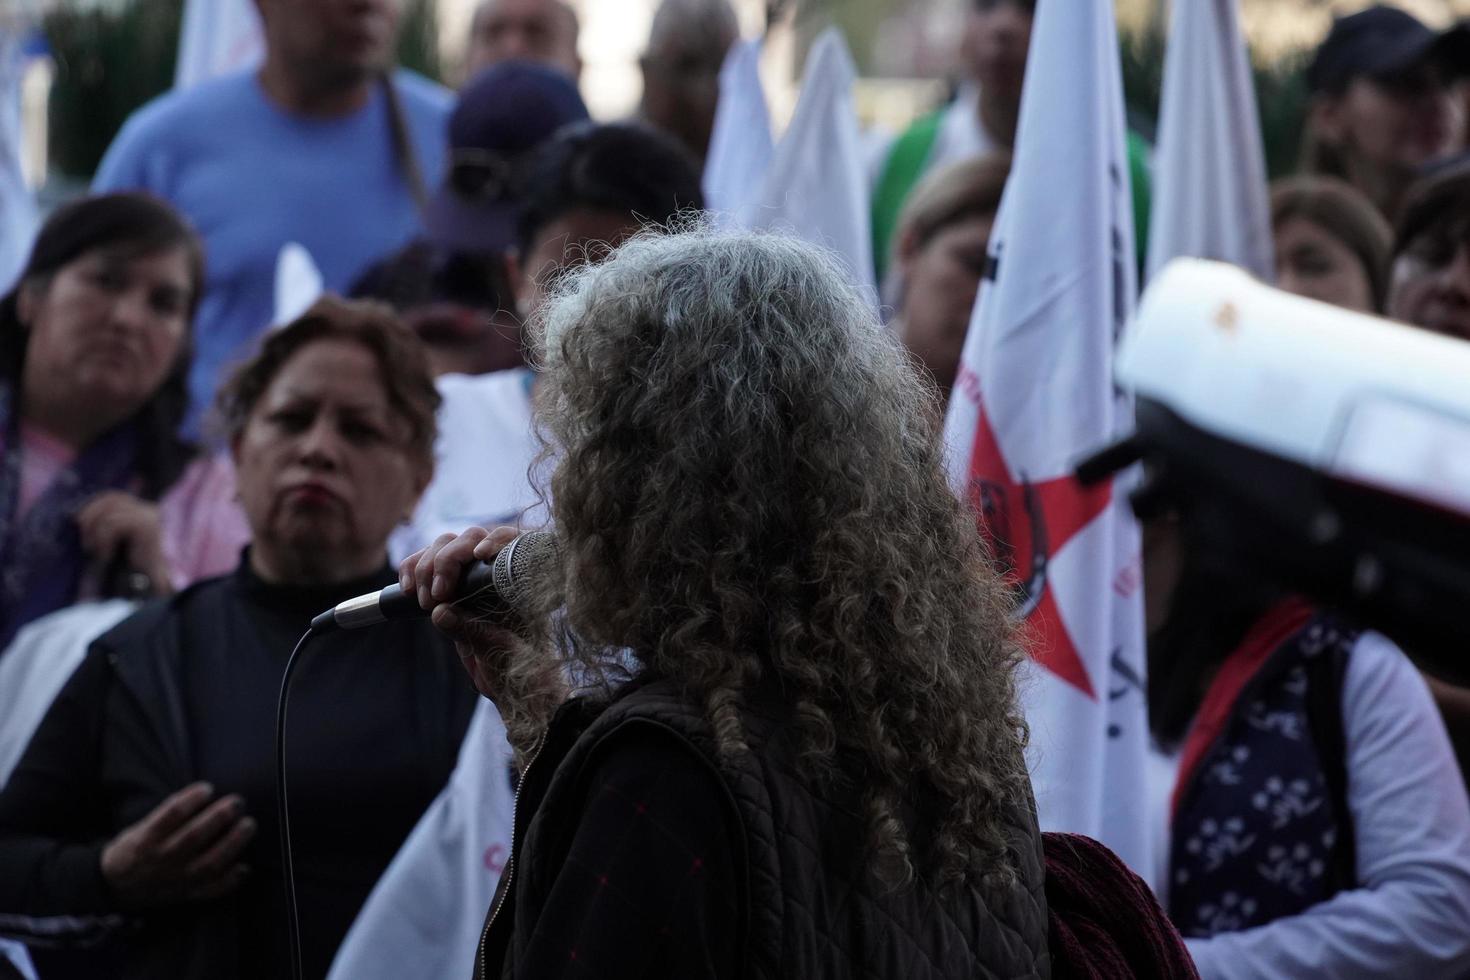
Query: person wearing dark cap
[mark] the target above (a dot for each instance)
(454, 286)
(501, 118)
(590, 187)
(1382, 105)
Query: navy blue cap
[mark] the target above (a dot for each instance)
(1382, 42)
(502, 115)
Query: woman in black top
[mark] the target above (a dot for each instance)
(141, 822)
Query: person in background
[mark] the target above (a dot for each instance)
(980, 120)
(98, 494)
(454, 285)
(1382, 102)
(459, 304)
(544, 31)
(1429, 287)
(1310, 811)
(1429, 281)
(940, 255)
(681, 69)
(324, 146)
(589, 188)
(141, 819)
(1331, 243)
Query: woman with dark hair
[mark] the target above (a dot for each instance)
(138, 831)
(797, 751)
(1310, 809)
(1429, 284)
(1331, 243)
(97, 491)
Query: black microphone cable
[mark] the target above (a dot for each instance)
(288, 873)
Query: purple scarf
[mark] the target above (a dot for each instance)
(41, 557)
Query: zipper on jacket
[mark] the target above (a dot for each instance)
(510, 863)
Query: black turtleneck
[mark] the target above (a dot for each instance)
(375, 723)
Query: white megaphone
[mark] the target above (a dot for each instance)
(1326, 449)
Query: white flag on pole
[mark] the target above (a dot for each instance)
(217, 37)
(1034, 393)
(1210, 196)
(425, 915)
(18, 215)
(817, 185)
(741, 147)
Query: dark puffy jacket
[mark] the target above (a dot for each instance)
(811, 909)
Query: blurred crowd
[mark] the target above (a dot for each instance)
(190, 473)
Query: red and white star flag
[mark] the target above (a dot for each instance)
(1034, 394)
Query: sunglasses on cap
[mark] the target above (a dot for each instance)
(480, 175)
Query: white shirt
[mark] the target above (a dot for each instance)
(1411, 818)
(961, 134)
(487, 443)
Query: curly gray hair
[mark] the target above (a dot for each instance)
(749, 484)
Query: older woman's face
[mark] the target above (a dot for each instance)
(940, 280)
(1311, 262)
(107, 328)
(324, 468)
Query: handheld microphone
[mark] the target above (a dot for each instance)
(496, 590)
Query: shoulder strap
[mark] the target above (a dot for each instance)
(1325, 675)
(901, 172)
(404, 153)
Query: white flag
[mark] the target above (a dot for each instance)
(1035, 393)
(18, 215)
(217, 37)
(740, 148)
(1210, 197)
(298, 283)
(817, 185)
(425, 915)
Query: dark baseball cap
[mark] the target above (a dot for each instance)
(1382, 42)
(503, 114)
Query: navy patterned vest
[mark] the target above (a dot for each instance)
(1262, 829)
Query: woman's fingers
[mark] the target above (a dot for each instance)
(494, 541)
(202, 832)
(223, 853)
(450, 561)
(174, 813)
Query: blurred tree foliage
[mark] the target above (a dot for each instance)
(1281, 95)
(113, 57)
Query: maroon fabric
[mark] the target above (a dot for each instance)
(1105, 922)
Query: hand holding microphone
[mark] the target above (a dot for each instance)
(435, 575)
(477, 587)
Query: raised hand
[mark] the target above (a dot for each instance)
(186, 850)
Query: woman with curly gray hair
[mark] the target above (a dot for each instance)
(797, 751)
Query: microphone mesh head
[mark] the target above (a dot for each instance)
(522, 566)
